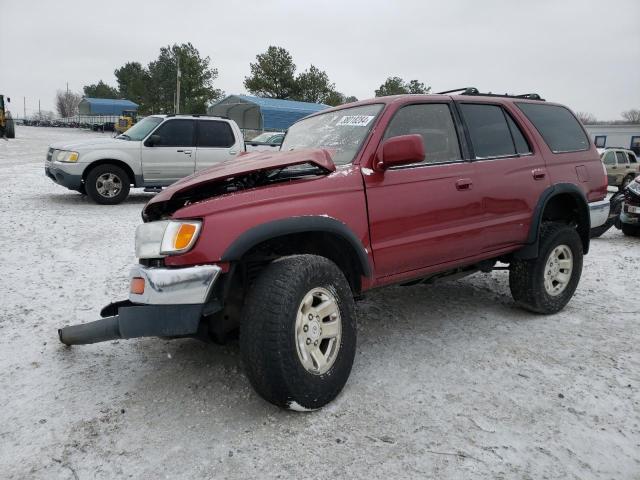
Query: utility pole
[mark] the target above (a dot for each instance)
(24, 108)
(177, 109)
(39, 111)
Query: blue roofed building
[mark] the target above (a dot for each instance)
(105, 106)
(263, 114)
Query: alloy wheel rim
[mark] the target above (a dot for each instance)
(558, 270)
(109, 185)
(318, 330)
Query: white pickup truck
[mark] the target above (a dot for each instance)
(154, 153)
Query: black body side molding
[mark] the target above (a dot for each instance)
(286, 226)
(531, 249)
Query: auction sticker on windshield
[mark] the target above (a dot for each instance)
(355, 120)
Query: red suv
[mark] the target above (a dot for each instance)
(400, 189)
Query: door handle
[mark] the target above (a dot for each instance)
(464, 184)
(185, 151)
(538, 174)
(232, 152)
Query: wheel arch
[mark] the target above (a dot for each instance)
(322, 235)
(563, 201)
(111, 161)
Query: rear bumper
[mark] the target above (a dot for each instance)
(172, 305)
(599, 212)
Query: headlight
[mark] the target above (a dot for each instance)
(635, 185)
(167, 237)
(65, 156)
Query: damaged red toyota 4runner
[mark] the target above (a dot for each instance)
(392, 190)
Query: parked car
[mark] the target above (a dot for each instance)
(622, 166)
(630, 214)
(155, 152)
(265, 141)
(395, 190)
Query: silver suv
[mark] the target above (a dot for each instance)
(154, 153)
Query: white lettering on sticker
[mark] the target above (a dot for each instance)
(355, 120)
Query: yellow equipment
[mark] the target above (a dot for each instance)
(126, 121)
(7, 127)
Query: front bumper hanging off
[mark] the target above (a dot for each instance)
(171, 303)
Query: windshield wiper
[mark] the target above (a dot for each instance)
(124, 135)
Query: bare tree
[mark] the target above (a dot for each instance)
(67, 103)
(42, 115)
(586, 118)
(631, 116)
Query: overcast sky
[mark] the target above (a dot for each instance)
(583, 53)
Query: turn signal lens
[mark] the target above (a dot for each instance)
(73, 157)
(184, 236)
(179, 237)
(137, 286)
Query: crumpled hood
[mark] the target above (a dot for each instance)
(248, 163)
(95, 144)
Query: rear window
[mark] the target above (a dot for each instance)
(212, 133)
(557, 125)
(489, 131)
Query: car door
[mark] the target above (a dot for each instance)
(510, 173)
(423, 214)
(215, 143)
(611, 165)
(172, 156)
(623, 163)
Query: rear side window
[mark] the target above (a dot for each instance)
(176, 133)
(212, 133)
(489, 131)
(622, 158)
(557, 125)
(434, 123)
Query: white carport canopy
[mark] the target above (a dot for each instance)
(245, 113)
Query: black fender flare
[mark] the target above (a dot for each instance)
(286, 226)
(530, 250)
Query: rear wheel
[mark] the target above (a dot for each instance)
(107, 184)
(547, 283)
(298, 332)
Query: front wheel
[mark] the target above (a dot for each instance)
(631, 230)
(107, 184)
(298, 332)
(626, 181)
(547, 283)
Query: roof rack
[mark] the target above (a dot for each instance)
(197, 115)
(475, 91)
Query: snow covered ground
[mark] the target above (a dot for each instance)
(450, 380)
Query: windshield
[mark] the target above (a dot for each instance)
(341, 132)
(141, 129)
(263, 137)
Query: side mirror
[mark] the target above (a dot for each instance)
(8, 100)
(402, 150)
(153, 140)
